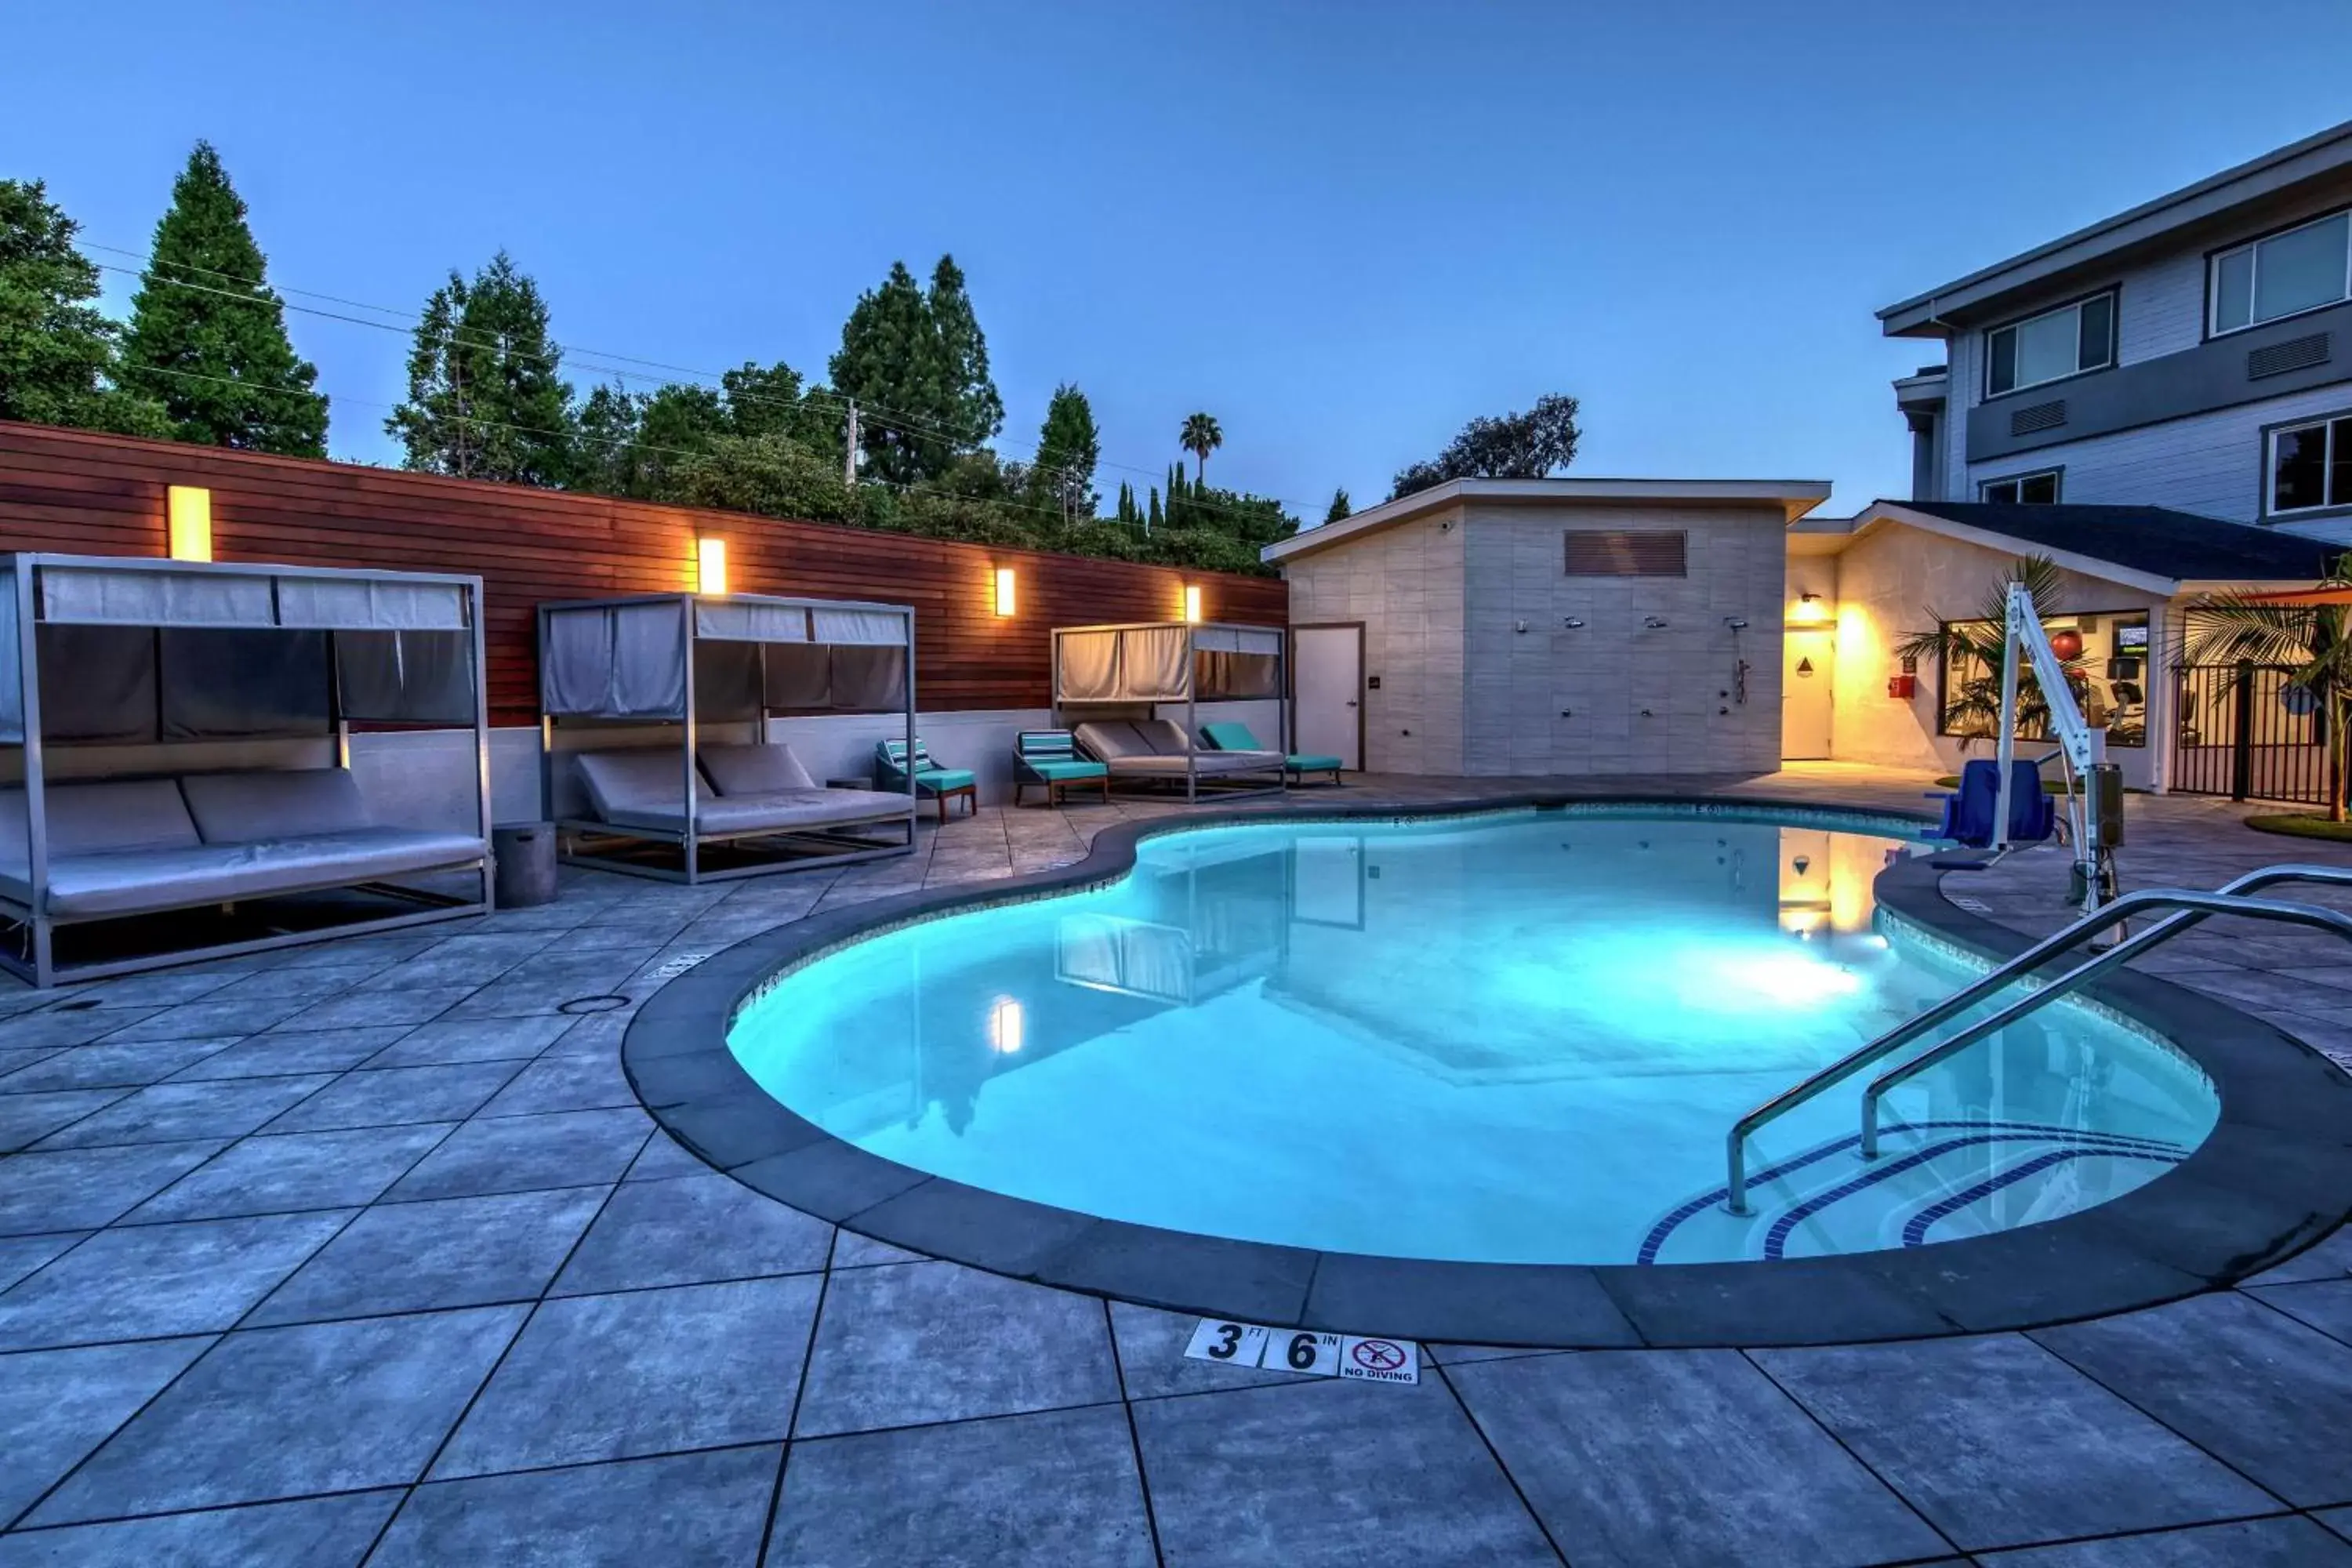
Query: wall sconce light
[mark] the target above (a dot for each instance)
(1809, 608)
(1006, 1025)
(710, 564)
(1005, 596)
(1192, 603)
(190, 510)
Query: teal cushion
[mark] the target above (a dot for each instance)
(938, 781)
(1047, 768)
(1229, 737)
(1312, 764)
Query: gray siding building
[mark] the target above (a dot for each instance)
(2194, 353)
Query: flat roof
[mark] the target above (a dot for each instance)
(2299, 163)
(1794, 496)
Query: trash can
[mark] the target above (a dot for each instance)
(526, 856)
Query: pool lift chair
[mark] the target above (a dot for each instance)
(2001, 803)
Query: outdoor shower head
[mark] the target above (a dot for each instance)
(1737, 623)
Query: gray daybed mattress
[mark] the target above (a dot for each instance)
(1156, 748)
(762, 790)
(140, 845)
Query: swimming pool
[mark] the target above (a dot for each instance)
(1516, 1038)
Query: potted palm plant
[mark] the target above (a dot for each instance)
(1973, 652)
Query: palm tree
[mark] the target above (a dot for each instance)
(1979, 650)
(1199, 437)
(2315, 640)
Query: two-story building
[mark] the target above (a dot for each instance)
(2161, 402)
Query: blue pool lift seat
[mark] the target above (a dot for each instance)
(1968, 812)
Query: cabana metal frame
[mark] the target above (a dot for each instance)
(756, 618)
(1156, 688)
(163, 595)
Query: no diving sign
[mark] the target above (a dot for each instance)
(1305, 1352)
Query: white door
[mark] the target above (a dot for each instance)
(1806, 682)
(1327, 675)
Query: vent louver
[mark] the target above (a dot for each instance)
(2041, 417)
(2295, 354)
(1620, 553)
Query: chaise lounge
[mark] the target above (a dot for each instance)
(932, 781)
(1236, 737)
(1155, 751)
(1049, 758)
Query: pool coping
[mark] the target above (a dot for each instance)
(2273, 1177)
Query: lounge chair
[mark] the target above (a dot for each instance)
(144, 845)
(930, 779)
(1050, 758)
(1236, 737)
(1155, 750)
(767, 794)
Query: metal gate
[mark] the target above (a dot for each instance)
(2242, 732)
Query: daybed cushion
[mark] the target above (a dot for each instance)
(641, 789)
(780, 811)
(243, 808)
(96, 818)
(1155, 747)
(754, 770)
(133, 881)
(1112, 739)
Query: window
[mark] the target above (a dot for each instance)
(2299, 270)
(2106, 655)
(2311, 465)
(2051, 346)
(2022, 489)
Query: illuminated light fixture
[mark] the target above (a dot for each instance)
(1004, 594)
(1808, 608)
(710, 565)
(190, 508)
(1192, 603)
(1006, 1025)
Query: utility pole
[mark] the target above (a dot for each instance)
(849, 454)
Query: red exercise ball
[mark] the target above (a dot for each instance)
(2067, 645)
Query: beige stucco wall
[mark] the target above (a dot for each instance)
(1614, 695)
(1405, 584)
(1895, 579)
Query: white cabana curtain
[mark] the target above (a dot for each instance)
(364, 604)
(745, 620)
(616, 661)
(1152, 664)
(1089, 667)
(883, 627)
(1235, 639)
(91, 596)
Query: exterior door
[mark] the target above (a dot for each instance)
(1806, 684)
(1327, 665)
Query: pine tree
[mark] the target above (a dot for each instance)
(1068, 448)
(979, 412)
(1340, 507)
(485, 398)
(208, 337)
(919, 363)
(57, 352)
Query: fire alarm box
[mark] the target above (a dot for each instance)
(1905, 687)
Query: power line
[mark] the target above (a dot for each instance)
(585, 358)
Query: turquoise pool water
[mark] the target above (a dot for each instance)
(1516, 1038)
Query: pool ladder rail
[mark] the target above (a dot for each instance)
(2192, 908)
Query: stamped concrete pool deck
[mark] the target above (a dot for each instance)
(367, 1252)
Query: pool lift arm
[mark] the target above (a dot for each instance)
(2093, 796)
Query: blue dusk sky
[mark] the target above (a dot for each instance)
(1342, 229)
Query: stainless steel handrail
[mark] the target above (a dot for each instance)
(1960, 1001)
(2196, 907)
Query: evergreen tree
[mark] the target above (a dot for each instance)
(207, 336)
(918, 363)
(1154, 518)
(1068, 448)
(57, 352)
(485, 398)
(1340, 507)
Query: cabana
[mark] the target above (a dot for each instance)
(176, 739)
(1109, 683)
(710, 669)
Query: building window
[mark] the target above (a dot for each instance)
(2311, 465)
(2105, 655)
(2022, 489)
(2285, 275)
(2052, 345)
